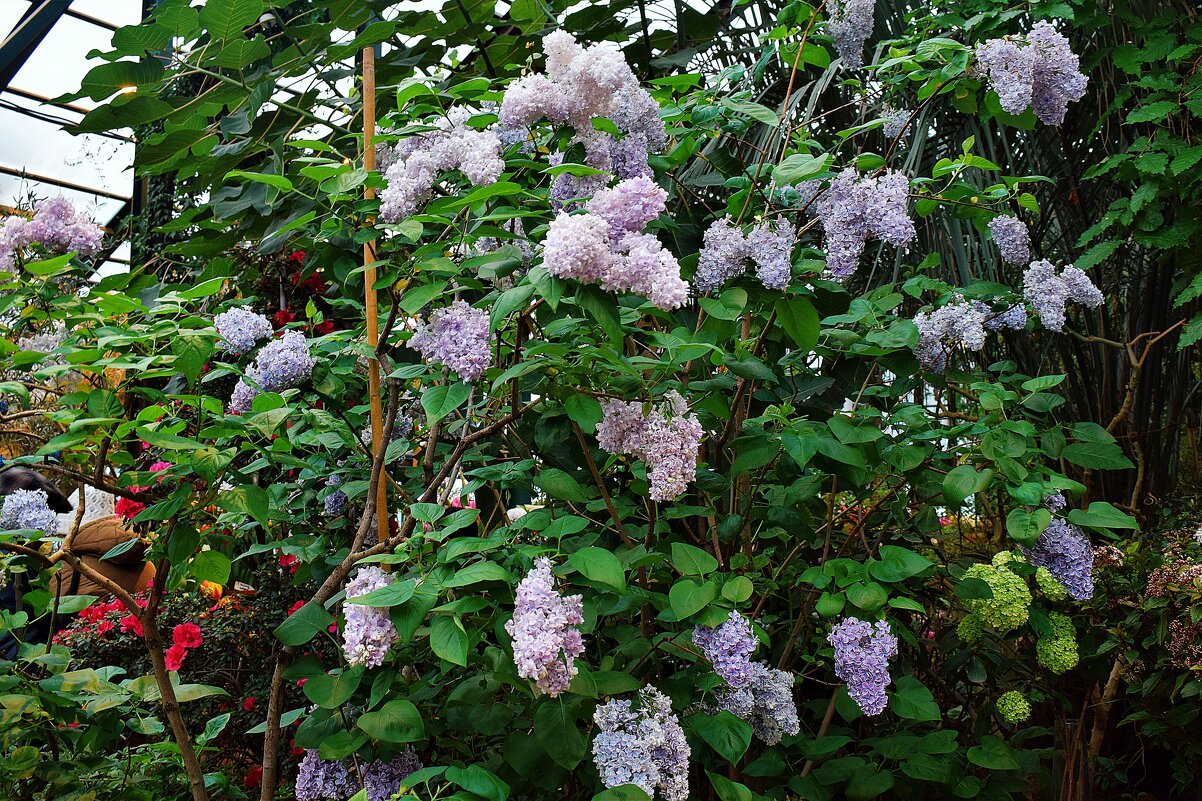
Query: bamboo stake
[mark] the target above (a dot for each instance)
(369, 299)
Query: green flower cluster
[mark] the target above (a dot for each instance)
(1013, 707)
(1052, 589)
(1006, 610)
(1058, 651)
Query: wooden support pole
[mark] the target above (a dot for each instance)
(369, 299)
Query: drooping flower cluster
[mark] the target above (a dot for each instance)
(725, 252)
(184, 637)
(1048, 293)
(28, 509)
(1065, 551)
(666, 439)
(896, 120)
(1038, 71)
(383, 779)
(320, 779)
(1007, 608)
(369, 631)
(417, 162)
(850, 26)
(608, 245)
(458, 336)
(642, 745)
(766, 702)
(544, 627)
(582, 83)
(46, 340)
(1012, 238)
(862, 654)
(729, 648)
(1013, 707)
(241, 329)
(1014, 318)
(55, 225)
(855, 209)
(335, 503)
(959, 322)
(1058, 650)
(282, 364)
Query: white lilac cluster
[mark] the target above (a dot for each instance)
(766, 702)
(725, 252)
(1049, 293)
(282, 364)
(582, 83)
(369, 632)
(607, 245)
(417, 162)
(850, 26)
(45, 341)
(544, 628)
(1012, 238)
(457, 336)
(959, 322)
(855, 209)
(55, 225)
(320, 779)
(666, 440)
(643, 746)
(241, 329)
(1038, 70)
(728, 647)
(28, 509)
(1064, 550)
(862, 654)
(896, 121)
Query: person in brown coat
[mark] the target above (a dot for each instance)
(128, 569)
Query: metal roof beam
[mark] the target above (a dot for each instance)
(59, 182)
(28, 33)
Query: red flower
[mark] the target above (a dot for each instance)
(296, 606)
(131, 623)
(248, 703)
(105, 626)
(174, 656)
(296, 752)
(283, 317)
(323, 328)
(187, 635)
(253, 777)
(297, 257)
(301, 682)
(128, 509)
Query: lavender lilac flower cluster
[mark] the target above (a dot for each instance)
(282, 364)
(642, 745)
(666, 439)
(416, 163)
(728, 647)
(336, 780)
(855, 209)
(1049, 293)
(862, 654)
(458, 336)
(1012, 238)
(1038, 71)
(1065, 550)
(544, 627)
(959, 322)
(607, 245)
(28, 509)
(766, 702)
(725, 252)
(369, 632)
(850, 26)
(241, 329)
(55, 225)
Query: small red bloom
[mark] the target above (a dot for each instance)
(128, 509)
(174, 656)
(248, 703)
(283, 317)
(253, 777)
(105, 626)
(296, 606)
(131, 623)
(296, 752)
(301, 682)
(323, 328)
(297, 257)
(187, 635)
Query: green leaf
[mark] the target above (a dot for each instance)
(394, 594)
(441, 400)
(994, 754)
(867, 784)
(226, 19)
(692, 561)
(898, 564)
(477, 574)
(727, 306)
(754, 110)
(624, 792)
(738, 589)
(303, 624)
(280, 182)
(963, 482)
(728, 790)
(558, 484)
(727, 734)
(448, 639)
(1097, 456)
(559, 732)
(480, 781)
(398, 721)
(211, 566)
(913, 701)
(870, 597)
(191, 353)
(584, 410)
(1025, 527)
(332, 691)
(599, 565)
(1102, 515)
(249, 499)
(799, 167)
(688, 597)
(103, 403)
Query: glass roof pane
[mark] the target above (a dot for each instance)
(118, 12)
(10, 14)
(59, 63)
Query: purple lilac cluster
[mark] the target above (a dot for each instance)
(959, 322)
(666, 439)
(1049, 293)
(28, 509)
(862, 654)
(46, 340)
(1065, 551)
(335, 503)
(282, 364)
(544, 627)
(458, 336)
(766, 702)
(1055, 502)
(383, 779)
(896, 122)
(1012, 318)
(417, 162)
(642, 745)
(850, 26)
(855, 209)
(729, 648)
(582, 83)
(336, 780)
(607, 245)
(1040, 71)
(725, 252)
(621, 426)
(55, 225)
(241, 329)
(369, 632)
(1012, 238)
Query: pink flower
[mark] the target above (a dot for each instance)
(128, 509)
(187, 635)
(296, 606)
(174, 656)
(131, 623)
(248, 703)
